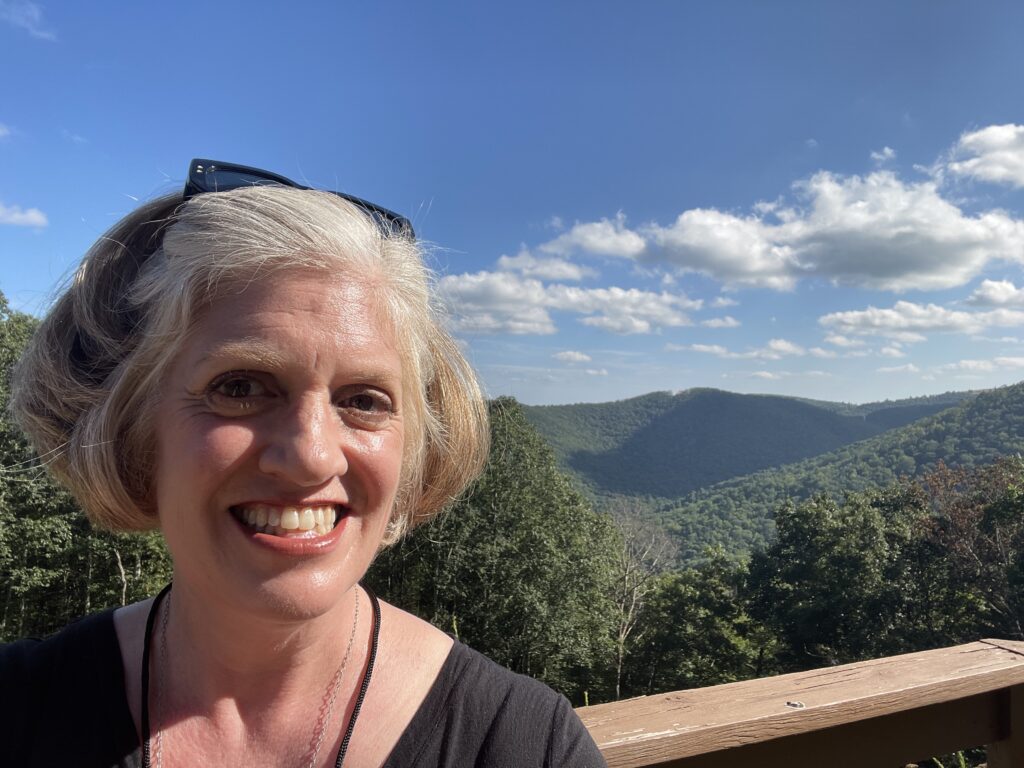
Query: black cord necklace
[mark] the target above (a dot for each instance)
(151, 619)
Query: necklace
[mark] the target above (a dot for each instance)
(326, 709)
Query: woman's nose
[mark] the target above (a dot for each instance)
(305, 445)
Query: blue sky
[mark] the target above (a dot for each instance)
(811, 198)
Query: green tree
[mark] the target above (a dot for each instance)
(54, 567)
(520, 568)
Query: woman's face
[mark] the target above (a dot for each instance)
(279, 445)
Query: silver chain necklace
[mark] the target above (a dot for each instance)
(326, 709)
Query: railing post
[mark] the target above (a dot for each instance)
(1009, 753)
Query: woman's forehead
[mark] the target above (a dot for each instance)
(290, 315)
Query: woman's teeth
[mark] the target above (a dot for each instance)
(288, 521)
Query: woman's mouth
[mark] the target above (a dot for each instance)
(291, 522)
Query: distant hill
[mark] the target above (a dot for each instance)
(668, 445)
(737, 513)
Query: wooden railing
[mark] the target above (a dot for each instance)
(886, 712)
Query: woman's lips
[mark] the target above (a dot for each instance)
(309, 529)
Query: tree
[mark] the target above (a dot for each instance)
(698, 631)
(54, 567)
(643, 553)
(520, 568)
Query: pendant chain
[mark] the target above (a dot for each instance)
(326, 709)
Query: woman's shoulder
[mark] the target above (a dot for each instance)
(89, 640)
(481, 713)
(72, 678)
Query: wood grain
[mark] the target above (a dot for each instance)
(961, 696)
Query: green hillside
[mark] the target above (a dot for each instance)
(737, 513)
(667, 446)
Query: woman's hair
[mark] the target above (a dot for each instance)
(86, 387)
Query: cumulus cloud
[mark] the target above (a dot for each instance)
(884, 155)
(571, 356)
(728, 321)
(607, 237)
(907, 321)
(724, 301)
(22, 217)
(596, 371)
(776, 349)
(492, 302)
(546, 269)
(27, 16)
(875, 231)
(734, 249)
(997, 293)
(994, 154)
(892, 351)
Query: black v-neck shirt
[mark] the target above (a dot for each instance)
(62, 703)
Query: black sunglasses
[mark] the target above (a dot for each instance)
(214, 176)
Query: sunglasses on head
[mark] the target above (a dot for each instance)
(214, 176)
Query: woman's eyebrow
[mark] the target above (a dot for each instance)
(251, 351)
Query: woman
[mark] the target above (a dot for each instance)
(255, 368)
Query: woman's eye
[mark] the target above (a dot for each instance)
(237, 392)
(368, 406)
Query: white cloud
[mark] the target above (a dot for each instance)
(997, 293)
(596, 371)
(607, 237)
(766, 375)
(27, 16)
(985, 366)
(724, 301)
(884, 155)
(20, 217)
(736, 250)
(571, 356)
(875, 231)
(556, 223)
(892, 351)
(492, 302)
(728, 321)
(824, 353)
(908, 368)
(842, 341)
(907, 321)
(546, 269)
(5, 131)
(776, 349)
(994, 154)
(811, 143)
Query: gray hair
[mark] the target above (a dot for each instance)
(85, 388)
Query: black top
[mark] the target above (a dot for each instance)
(62, 703)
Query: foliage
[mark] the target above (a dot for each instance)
(738, 514)
(670, 445)
(54, 567)
(521, 568)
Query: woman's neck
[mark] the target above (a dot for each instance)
(232, 658)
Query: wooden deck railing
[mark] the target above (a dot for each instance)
(886, 712)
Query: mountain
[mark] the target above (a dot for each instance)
(669, 445)
(737, 514)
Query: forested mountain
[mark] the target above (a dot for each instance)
(737, 513)
(668, 445)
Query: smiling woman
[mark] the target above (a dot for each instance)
(257, 370)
